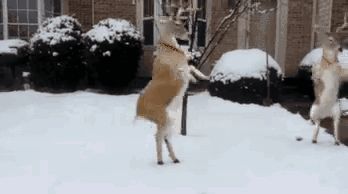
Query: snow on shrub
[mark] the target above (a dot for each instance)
(315, 55)
(12, 46)
(241, 75)
(14, 55)
(113, 48)
(57, 53)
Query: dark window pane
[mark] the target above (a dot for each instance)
(13, 31)
(148, 32)
(33, 17)
(202, 5)
(12, 4)
(48, 5)
(1, 32)
(32, 4)
(32, 29)
(23, 16)
(12, 16)
(148, 8)
(57, 6)
(23, 31)
(22, 4)
(201, 33)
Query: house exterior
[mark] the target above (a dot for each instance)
(287, 33)
(21, 18)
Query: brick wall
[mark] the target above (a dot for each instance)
(298, 34)
(263, 28)
(219, 9)
(82, 10)
(124, 9)
(339, 7)
(323, 20)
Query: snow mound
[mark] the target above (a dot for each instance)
(11, 46)
(112, 30)
(314, 57)
(237, 64)
(58, 29)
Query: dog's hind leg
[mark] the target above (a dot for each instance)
(159, 142)
(171, 150)
(316, 131)
(336, 122)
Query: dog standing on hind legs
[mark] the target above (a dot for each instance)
(326, 81)
(162, 98)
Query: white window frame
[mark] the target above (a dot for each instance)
(158, 10)
(40, 15)
(141, 19)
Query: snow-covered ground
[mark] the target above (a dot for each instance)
(89, 143)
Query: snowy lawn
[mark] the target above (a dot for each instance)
(85, 143)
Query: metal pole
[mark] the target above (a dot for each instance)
(268, 100)
(184, 115)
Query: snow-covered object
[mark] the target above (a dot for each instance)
(247, 63)
(113, 50)
(112, 30)
(86, 143)
(315, 55)
(56, 30)
(57, 55)
(11, 46)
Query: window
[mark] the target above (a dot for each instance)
(148, 22)
(52, 8)
(23, 17)
(152, 8)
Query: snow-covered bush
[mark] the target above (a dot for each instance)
(241, 76)
(113, 51)
(57, 52)
(14, 55)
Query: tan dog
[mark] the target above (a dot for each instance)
(326, 79)
(162, 97)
